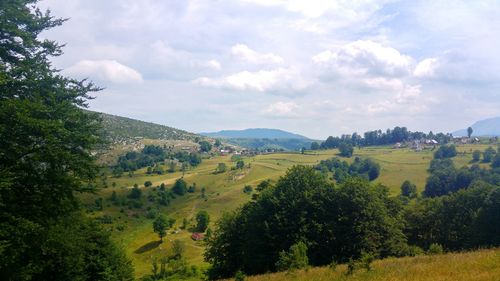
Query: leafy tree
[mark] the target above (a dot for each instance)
(135, 193)
(180, 187)
(247, 189)
(148, 183)
(314, 145)
(408, 189)
(202, 220)
(160, 226)
(171, 167)
(178, 247)
(240, 164)
(346, 149)
(295, 258)
(445, 151)
(469, 132)
(476, 155)
(488, 154)
(221, 168)
(338, 223)
(205, 146)
(46, 161)
(194, 159)
(217, 143)
(263, 185)
(496, 161)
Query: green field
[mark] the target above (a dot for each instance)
(225, 193)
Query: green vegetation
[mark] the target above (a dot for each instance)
(45, 161)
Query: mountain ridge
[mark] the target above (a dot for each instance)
(255, 133)
(485, 127)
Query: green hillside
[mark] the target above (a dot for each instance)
(224, 192)
(119, 129)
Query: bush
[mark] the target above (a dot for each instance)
(247, 189)
(294, 258)
(346, 149)
(445, 151)
(240, 276)
(476, 155)
(435, 249)
(135, 193)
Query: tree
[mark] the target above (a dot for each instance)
(135, 193)
(469, 132)
(221, 168)
(445, 151)
(178, 247)
(180, 187)
(171, 167)
(247, 189)
(205, 146)
(45, 160)
(202, 220)
(194, 159)
(346, 149)
(240, 164)
(476, 155)
(148, 183)
(495, 163)
(488, 154)
(294, 258)
(314, 146)
(160, 226)
(217, 143)
(408, 189)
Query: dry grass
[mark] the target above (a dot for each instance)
(483, 265)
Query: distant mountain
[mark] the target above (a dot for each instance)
(257, 133)
(263, 139)
(486, 127)
(119, 129)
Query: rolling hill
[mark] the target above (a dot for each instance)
(486, 127)
(122, 129)
(263, 139)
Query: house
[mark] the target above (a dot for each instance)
(397, 145)
(196, 236)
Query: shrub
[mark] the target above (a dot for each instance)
(435, 249)
(294, 258)
(240, 276)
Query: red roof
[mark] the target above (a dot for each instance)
(197, 236)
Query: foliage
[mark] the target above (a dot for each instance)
(365, 168)
(221, 168)
(346, 149)
(160, 226)
(45, 160)
(435, 249)
(338, 222)
(445, 151)
(294, 258)
(488, 154)
(202, 221)
(476, 155)
(205, 146)
(135, 193)
(180, 187)
(240, 164)
(247, 189)
(408, 189)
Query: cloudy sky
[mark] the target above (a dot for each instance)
(314, 67)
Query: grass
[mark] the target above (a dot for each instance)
(224, 192)
(483, 265)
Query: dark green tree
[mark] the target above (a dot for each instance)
(160, 226)
(314, 145)
(346, 149)
(469, 132)
(45, 160)
(205, 146)
(180, 187)
(408, 189)
(488, 154)
(240, 164)
(476, 155)
(202, 221)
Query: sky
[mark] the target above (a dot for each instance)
(313, 67)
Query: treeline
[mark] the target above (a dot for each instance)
(307, 218)
(378, 137)
(154, 156)
(341, 170)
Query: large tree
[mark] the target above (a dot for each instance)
(45, 157)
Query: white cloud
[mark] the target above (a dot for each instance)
(282, 109)
(244, 53)
(261, 81)
(213, 64)
(105, 70)
(426, 68)
(365, 57)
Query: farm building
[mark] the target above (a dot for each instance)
(197, 236)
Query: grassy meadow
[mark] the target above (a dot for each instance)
(480, 265)
(224, 192)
